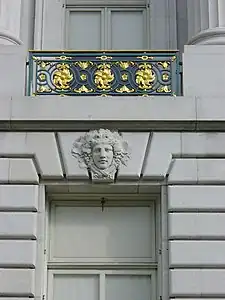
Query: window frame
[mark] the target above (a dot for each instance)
(146, 33)
(155, 268)
(102, 277)
(84, 9)
(105, 34)
(101, 261)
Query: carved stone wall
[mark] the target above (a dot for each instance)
(188, 165)
(191, 163)
(154, 156)
(17, 23)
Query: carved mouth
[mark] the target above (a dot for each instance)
(103, 161)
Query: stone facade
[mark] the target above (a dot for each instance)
(178, 156)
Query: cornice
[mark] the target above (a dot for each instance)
(52, 113)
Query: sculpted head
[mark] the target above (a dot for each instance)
(102, 151)
(102, 155)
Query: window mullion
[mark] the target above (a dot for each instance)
(102, 286)
(106, 26)
(147, 23)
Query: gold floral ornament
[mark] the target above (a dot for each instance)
(124, 89)
(164, 89)
(164, 64)
(43, 64)
(42, 77)
(83, 89)
(104, 76)
(145, 76)
(62, 77)
(124, 77)
(84, 64)
(125, 64)
(44, 89)
(165, 77)
(83, 77)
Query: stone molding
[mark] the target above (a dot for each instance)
(40, 148)
(206, 22)
(8, 38)
(211, 36)
(188, 113)
(182, 157)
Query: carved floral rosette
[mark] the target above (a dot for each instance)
(84, 146)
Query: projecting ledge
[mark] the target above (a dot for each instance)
(81, 113)
(93, 108)
(121, 112)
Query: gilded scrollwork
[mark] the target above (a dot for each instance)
(104, 77)
(104, 73)
(83, 89)
(164, 89)
(43, 64)
(164, 64)
(145, 76)
(125, 64)
(124, 89)
(84, 64)
(63, 57)
(62, 77)
(145, 57)
(104, 57)
(44, 89)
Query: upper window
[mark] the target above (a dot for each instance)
(108, 26)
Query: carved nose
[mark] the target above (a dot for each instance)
(102, 154)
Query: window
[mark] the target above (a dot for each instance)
(103, 252)
(109, 26)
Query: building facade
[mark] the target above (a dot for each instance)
(103, 194)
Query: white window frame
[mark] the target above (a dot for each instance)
(66, 267)
(102, 276)
(106, 25)
(50, 22)
(120, 3)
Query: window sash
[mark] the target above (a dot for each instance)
(68, 261)
(119, 3)
(87, 9)
(102, 279)
(105, 31)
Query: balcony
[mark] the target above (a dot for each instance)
(106, 73)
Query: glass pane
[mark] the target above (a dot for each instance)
(117, 232)
(127, 30)
(128, 287)
(76, 287)
(84, 30)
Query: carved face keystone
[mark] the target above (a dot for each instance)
(101, 152)
(102, 155)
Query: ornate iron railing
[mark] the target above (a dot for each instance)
(71, 73)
